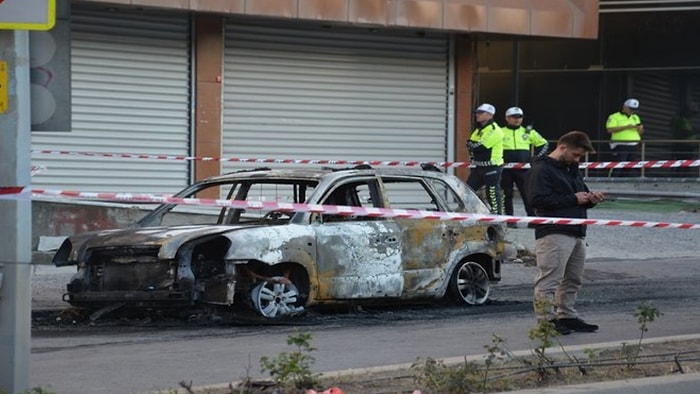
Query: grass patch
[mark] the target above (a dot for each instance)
(650, 205)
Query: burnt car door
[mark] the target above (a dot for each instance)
(425, 243)
(358, 257)
(466, 236)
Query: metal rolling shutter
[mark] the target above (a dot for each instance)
(658, 104)
(610, 6)
(130, 80)
(333, 93)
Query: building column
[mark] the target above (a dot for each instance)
(464, 93)
(209, 55)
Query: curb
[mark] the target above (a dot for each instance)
(677, 384)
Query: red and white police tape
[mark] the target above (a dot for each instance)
(603, 165)
(15, 192)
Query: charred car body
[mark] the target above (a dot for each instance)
(279, 263)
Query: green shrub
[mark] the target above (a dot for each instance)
(292, 371)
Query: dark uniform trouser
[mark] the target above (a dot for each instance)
(490, 177)
(509, 177)
(624, 153)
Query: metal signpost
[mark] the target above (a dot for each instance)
(16, 17)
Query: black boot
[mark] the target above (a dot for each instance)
(576, 324)
(560, 327)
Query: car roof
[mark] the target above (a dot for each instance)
(319, 173)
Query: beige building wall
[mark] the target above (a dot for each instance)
(555, 18)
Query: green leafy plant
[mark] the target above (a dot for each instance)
(591, 354)
(436, 377)
(292, 370)
(544, 331)
(547, 335)
(433, 376)
(497, 351)
(499, 372)
(645, 314)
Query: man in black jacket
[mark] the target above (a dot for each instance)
(555, 188)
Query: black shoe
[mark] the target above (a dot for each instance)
(560, 327)
(579, 325)
(512, 225)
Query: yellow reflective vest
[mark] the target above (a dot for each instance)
(517, 142)
(486, 145)
(618, 119)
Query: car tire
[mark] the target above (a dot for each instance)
(275, 298)
(469, 284)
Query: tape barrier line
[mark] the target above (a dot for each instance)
(604, 165)
(12, 190)
(37, 169)
(339, 209)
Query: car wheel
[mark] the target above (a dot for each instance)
(469, 284)
(276, 297)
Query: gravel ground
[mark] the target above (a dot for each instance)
(48, 285)
(629, 243)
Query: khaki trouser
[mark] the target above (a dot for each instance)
(560, 261)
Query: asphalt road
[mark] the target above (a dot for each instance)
(627, 267)
(129, 358)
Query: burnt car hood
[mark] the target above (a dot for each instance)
(168, 239)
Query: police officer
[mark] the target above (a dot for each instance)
(625, 129)
(517, 141)
(486, 150)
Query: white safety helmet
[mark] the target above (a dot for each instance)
(631, 103)
(514, 111)
(486, 108)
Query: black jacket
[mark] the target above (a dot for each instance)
(551, 188)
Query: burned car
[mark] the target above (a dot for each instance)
(279, 262)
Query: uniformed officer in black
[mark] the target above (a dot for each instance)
(486, 149)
